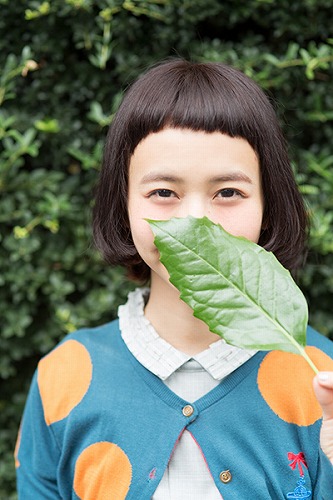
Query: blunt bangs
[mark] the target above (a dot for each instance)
(198, 96)
(210, 97)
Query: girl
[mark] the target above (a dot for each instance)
(154, 405)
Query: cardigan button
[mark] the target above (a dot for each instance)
(188, 410)
(226, 476)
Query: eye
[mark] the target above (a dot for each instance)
(162, 193)
(229, 193)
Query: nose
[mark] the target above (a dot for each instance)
(194, 206)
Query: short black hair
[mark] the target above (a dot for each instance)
(210, 97)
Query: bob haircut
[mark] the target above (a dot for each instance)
(210, 97)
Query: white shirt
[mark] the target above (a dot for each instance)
(187, 476)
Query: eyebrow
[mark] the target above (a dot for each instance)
(232, 176)
(156, 177)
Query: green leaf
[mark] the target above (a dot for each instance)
(237, 288)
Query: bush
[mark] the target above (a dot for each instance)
(64, 64)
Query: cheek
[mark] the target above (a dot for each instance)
(243, 224)
(142, 235)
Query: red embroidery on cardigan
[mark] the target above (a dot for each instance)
(299, 460)
(152, 474)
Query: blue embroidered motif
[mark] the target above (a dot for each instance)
(300, 491)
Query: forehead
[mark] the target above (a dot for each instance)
(174, 151)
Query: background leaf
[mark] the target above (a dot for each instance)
(236, 287)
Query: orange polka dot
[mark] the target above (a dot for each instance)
(102, 471)
(285, 383)
(64, 377)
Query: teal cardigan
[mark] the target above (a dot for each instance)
(98, 425)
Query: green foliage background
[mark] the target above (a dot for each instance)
(63, 66)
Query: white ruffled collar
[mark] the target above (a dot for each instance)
(160, 357)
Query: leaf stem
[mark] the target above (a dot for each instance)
(308, 359)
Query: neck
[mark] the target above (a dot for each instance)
(173, 319)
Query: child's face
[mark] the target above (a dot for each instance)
(176, 173)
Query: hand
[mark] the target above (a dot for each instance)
(323, 388)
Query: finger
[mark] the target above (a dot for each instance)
(323, 388)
